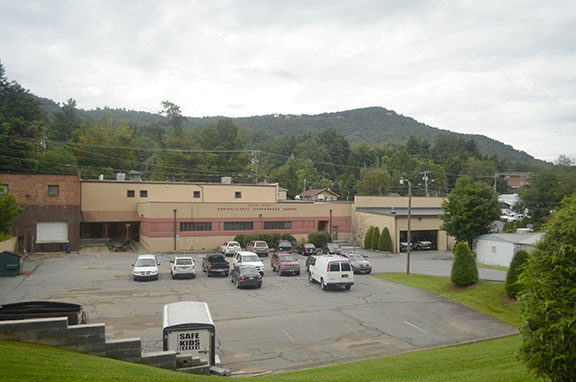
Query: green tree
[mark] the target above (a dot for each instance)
(368, 237)
(470, 210)
(319, 238)
(21, 119)
(175, 118)
(464, 269)
(373, 182)
(9, 210)
(548, 299)
(512, 287)
(385, 241)
(375, 238)
(65, 121)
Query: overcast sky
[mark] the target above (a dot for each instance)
(504, 69)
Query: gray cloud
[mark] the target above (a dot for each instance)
(503, 69)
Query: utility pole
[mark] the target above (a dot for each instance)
(409, 234)
(425, 179)
(255, 162)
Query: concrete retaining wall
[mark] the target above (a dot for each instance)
(88, 339)
(8, 245)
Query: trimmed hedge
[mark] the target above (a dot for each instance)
(319, 238)
(375, 238)
(385, 242)
(368, 237)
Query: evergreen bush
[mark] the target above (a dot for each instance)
(385, 241)
(375, 238)
(512, 287)
(368, 238)
(464, 270)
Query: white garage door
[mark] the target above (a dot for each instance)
(52, 232)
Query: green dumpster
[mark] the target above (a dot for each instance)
(10, 263)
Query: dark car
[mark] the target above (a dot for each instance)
(215, 264)
(285, 263)
(331, 249)
(307, 249)
(283, 246)
(246, 275)
(359, 263)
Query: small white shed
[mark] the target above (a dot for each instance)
(499, 248)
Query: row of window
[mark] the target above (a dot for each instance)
(144, 194)
(53, 190)
(233, 226)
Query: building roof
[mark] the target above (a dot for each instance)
(402, 211)
(515, 238)
(316, 191)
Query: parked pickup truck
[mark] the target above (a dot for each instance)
(215, 264)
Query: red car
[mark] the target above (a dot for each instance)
(284, 263)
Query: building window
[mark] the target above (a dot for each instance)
(53, 190)
(3, 189)
(196, 194)
(196, 226)
(238, 226)
(238, 194)
(130, 193)
(277, 225)
(143, 193)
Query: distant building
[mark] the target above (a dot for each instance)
(318, 194)
(499, 248)
(515, 179)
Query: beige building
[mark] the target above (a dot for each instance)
(392, 212)
(191, 216)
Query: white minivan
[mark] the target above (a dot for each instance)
(247, 257)
(331, 271)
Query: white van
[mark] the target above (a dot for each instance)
(331, 271)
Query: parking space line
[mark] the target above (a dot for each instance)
(415, 327)
(288, 335)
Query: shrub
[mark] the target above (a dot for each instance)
(240, 239)
(368, 238)
(464, 270)
(385, 241)
(512, 287)
(375, 238)
(319, 238)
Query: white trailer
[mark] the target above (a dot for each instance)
(188, 329)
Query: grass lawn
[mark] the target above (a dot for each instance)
(496, 267)
(492, 360)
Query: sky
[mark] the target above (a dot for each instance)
(504, 69)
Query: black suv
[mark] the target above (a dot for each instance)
(331, 249)
(283, 246)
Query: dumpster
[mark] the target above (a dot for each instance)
(188, 329)
(10, 263)
(43, 309)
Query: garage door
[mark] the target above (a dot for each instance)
(52, 232)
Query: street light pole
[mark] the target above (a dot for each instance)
(409, 233)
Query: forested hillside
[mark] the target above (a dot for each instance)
(366, 125)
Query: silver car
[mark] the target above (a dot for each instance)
(359, 263)
(183, 266)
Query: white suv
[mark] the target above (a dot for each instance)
(145, 268)
(229, 248)
(250, 258)
(183, 266)
(330, 270)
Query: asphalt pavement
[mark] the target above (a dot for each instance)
(288, 324)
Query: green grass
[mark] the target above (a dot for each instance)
(492, 360)
(496, 267)
(4, 237)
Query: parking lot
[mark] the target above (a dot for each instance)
(287, 324)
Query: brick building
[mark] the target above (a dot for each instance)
(51, 218)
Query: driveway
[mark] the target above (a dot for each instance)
(288, 324)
